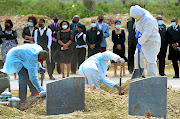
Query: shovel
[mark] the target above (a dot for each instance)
(120, 93)
(138, 72)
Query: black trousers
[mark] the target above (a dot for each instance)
(131, 52)
(175, 66)
(81, 55)
(161, 66)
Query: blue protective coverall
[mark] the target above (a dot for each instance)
(24, 56)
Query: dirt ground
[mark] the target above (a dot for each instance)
(99, 104)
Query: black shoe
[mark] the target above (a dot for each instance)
(175, 76)
(143, 76)
(52, 78)
(162, 74)
(73, 72)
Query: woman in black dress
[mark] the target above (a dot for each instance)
(118, 38)
(64, 51)
(28, 32)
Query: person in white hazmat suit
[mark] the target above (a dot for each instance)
(95, 67)
(149, 42)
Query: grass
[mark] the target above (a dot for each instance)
(66, 11)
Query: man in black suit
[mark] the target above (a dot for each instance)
(162, 54)
(54, 28)
(75, 22)
(173, 36)
(132, 42)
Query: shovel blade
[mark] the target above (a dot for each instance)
(137, 73)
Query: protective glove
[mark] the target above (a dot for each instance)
(121, 60)
(48, 46)
(137, 34)
(138, 46)
(42, 70)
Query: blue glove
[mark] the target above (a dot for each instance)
(137, 34)
(42, 70)
(138, 46)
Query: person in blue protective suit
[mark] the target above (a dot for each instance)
(150, 41)
(25, 60)
(95, 67)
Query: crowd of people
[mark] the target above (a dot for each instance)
(66, 43)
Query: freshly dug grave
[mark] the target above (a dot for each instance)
(105, 103)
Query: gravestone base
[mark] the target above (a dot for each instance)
(148, 95)
(65, 96)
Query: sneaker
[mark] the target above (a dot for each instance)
(22, 106)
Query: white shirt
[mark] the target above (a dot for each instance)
(100, 26)
(48, 33)
(175, 27)
(84, 38)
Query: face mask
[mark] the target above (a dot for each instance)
(173, 24)
(30, 23)
(55, 20)
(160, 22)
(40, 60)
(100, 20)
(93, 25)
(74, 21)
(118, 26)
(40, 25)
(64, 26)
(7, 26)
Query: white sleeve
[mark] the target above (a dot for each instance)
(108, 55)
(35, 37)
(148, 28)
(84, 37)
(49, 34)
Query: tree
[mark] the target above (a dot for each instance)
(89, 4)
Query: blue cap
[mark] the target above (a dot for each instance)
(117, 21)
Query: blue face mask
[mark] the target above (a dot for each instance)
(64, 26)
(118, 26)
(93, 24)
(173, 24)
(30, 23)
(160, 22)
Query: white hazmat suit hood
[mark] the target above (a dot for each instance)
(150, 39)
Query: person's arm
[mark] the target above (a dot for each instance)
(87, 39)
(33, 75)
(14, 35)
(100, 39)
(106, 33)
(84, 29)
(84, 37)
(113, 35)
(49, 34)
(35, 36)
(148, 28)
(24, 34)
(71, 38)
(108, 55)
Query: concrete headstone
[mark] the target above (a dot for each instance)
(149, 94)
(65, 96)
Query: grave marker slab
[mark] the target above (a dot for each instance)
(65, 96)
(149, 94)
